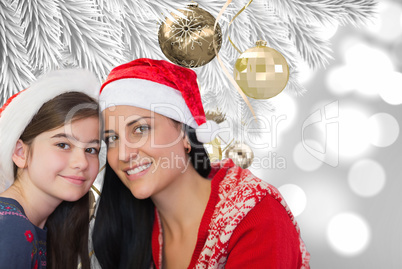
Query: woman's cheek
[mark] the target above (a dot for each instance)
(112, 156)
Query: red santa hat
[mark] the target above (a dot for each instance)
(19, 110)
(161, 87)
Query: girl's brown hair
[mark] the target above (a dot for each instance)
(67, 226)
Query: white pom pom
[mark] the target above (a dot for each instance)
(207, 131)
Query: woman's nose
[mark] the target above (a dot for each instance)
(127, 151)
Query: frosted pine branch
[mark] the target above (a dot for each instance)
(15, 74)
(100, 34)
(324, 11)
(40, 20)
(89, 43)
(140, 37)
(272, 29)
(293, 85)
(357, 12)
(251, 126)
(312, 49)
(110, 11)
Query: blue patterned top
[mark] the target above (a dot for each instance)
(22, 244)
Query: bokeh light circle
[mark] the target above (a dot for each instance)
(368, 68)
(306, 73)
(285, 111)
(348, 234)
(340, 80)
(295, 197)
(387, 24)
(391, 90)
(383, 129)
(366, 178)
(353, 129)
(303, 159)
(368, 57)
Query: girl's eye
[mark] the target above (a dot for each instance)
(141, 129)
(63, 145)
(92, 150)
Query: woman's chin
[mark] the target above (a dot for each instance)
(140, 194)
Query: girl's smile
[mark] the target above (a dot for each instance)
(75, 179)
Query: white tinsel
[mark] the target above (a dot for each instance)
(36, 36)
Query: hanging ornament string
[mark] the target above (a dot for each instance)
(261, 72)
(225, 71)
(238, 13)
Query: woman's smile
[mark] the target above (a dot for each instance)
(138, 171)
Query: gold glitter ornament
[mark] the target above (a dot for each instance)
(189, 41)
(216, 148)
(241, 154)
(261, 72)
(215, 115)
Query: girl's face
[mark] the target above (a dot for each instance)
(145, 149)
(64, 162)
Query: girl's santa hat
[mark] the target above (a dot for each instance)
(161, 87)
(20, 108)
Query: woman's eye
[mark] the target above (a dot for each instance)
(110, 139)
(92, 150)
(141, 129)
(63, 145)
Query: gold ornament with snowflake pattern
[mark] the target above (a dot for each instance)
(189, 41)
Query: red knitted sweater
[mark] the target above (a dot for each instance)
(246, 224)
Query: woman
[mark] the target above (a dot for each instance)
(49, 140)
(163, 203)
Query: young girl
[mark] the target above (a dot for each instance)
(163, 204)
(49, 144)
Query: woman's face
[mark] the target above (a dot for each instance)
(145, 149)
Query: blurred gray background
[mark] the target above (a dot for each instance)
(343, 177)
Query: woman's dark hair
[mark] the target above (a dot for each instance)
(198, 155)
(123, 225)
(67, 226)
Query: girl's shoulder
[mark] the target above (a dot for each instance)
(15, 227)
(21, 243)
(10, 209)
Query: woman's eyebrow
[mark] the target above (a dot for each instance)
(136, 120)
(109, 131)
(128, 124)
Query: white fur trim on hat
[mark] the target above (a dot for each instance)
(149, 95)
(18, 114)
(207, 131)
